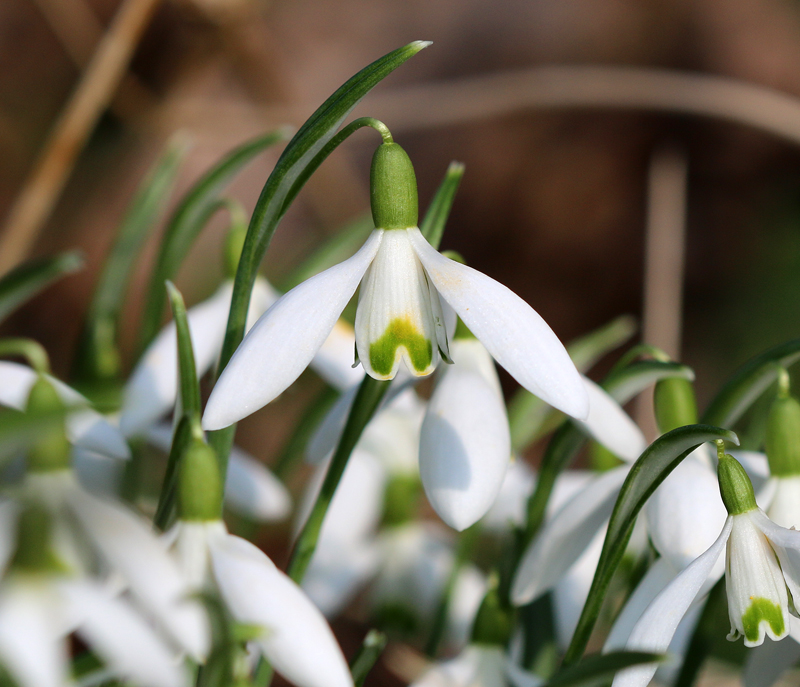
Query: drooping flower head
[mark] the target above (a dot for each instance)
(399, 320)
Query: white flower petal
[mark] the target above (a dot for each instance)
(395, 321)
(610, 425)
(660, 574)
(510, 507)
(766, 663)
(686, 513)
(32, 647)
(253, 491)
(190, 543)
(571, 591)
(516, 336)
(465, 447)
(521, 678)
(786, 544)
(283, 342)
(152, 388)
(338, 570)
(96, 472)
(334, 360)
(784, 508)
(261, 299)
(85, 427)
(121, 638)
(479, 665)
(565, 536)
(128, 546)
(755, 585)
(469, 590)
(357, 506)
(655, 629)
(296, 639)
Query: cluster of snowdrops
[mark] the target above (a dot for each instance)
(115, 486)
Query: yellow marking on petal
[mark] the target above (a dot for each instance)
(400, 332)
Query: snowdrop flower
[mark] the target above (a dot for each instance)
(782, 441)
(399, 317)
(152, 388)
(86, 428)
(42, 601)
(762, 573)
(478, 665)
(294, 636)
(89, 532)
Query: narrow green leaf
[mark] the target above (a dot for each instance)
(24, 282)
(189, 218)
(651, 469)
(432, 226)
(181, 438)
(748, 383)
(600, 668)
(529, 417)
(339, 247)
(189, 386)
(367, 656)
(301, 157)
(622, 385)
(98, 354)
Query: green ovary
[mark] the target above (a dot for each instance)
(762, 609)
(400, 332)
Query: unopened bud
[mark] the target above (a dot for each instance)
(675, 404)
(393, 188)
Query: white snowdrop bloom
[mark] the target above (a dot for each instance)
(295, 637)
(478, 665)
(251, 489)
(399, 318)
(465, 445)
(86, 428)
(152, 388)
(122, 544)
(762, 573)
(38, 612)
(416, 560)
(468, 592)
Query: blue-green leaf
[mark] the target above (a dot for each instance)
(24, 282)
(189, 218)
(651, 469)
(748, 383)
(600, 668)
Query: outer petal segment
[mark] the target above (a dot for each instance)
(516, 336)
(283, 342)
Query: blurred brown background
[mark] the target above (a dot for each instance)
(553, 203)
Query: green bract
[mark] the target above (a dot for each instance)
(735, 486)
(393, 188)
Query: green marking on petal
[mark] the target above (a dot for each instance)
(400, 332)
(762, 609)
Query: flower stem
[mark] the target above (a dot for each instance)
(367, 400)
(367, 656)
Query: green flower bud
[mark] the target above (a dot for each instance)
(494, 622)
(33, 552)
(393, 188)
(783, 437)
(675, 404)
(51, 451)
(735, 486)
(199, 484)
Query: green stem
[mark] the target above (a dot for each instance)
(263, 674)
(29, 349)
(369, 653)
(366, 402)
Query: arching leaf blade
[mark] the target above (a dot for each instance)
(432, 225)
(600, 668)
